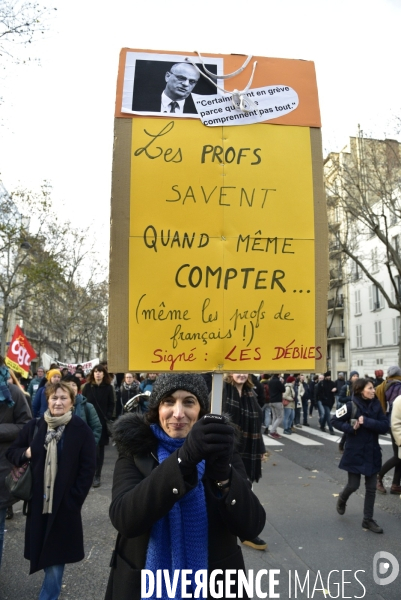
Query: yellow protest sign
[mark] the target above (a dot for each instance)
(214, 247)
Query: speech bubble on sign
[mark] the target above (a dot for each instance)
(265, 103)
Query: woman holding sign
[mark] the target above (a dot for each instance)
(180, 493)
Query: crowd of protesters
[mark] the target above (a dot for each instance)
(74, 409)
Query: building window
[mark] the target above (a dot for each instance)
(359, 336)
(358, 302)
(375, 298)
(375, 261)
(379, 361)
(337, 214)
(355, 271)
(396, 330)
(341, 355)
(378, 333)
(359, 363)
(396, 293)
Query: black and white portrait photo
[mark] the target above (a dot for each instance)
(157, 84)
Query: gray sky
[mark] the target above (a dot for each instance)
(57, 119)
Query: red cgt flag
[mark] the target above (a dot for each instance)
(20, 353)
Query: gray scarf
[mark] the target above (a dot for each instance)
(55, 429)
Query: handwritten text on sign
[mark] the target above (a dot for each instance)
(266, 103)
(221, 248)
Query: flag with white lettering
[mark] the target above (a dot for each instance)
(20, 353)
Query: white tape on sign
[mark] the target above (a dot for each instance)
(266, 103)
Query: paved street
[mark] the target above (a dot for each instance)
(305, 534)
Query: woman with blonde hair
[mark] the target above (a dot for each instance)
(14, 379)
(62, 454)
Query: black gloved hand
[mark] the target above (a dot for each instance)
(218, 463)
(210, 435)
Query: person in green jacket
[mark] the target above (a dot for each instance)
(84, 409)
(34, 385)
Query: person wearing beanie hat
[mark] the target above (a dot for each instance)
(387, 392)
(180, 494)
(378, 377)
(393, 377)
(147, 384)
(39, 404)
(167, 384)
(52, 373)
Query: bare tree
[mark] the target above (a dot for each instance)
(29, 249)
(21, 22)
(72, 305)
(364, 184)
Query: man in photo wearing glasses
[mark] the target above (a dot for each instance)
(176, 97)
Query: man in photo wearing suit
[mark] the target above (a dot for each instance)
(176, 97)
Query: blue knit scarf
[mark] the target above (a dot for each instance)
(179, 540)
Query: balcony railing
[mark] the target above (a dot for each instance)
(336, 332)
(334, 247)
(335, 302)
(336, 274)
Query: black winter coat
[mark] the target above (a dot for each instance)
(56, 538)
(362, 452)
(345, 392)
(324, 393)
(143, 492)
(12, 421)
(276, 388)
(103, 399)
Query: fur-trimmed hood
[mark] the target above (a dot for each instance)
(133, 435)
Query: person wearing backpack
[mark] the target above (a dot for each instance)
(387, 392)
(289, 405)
(396, 423)
(362, 420)
(84, 409)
